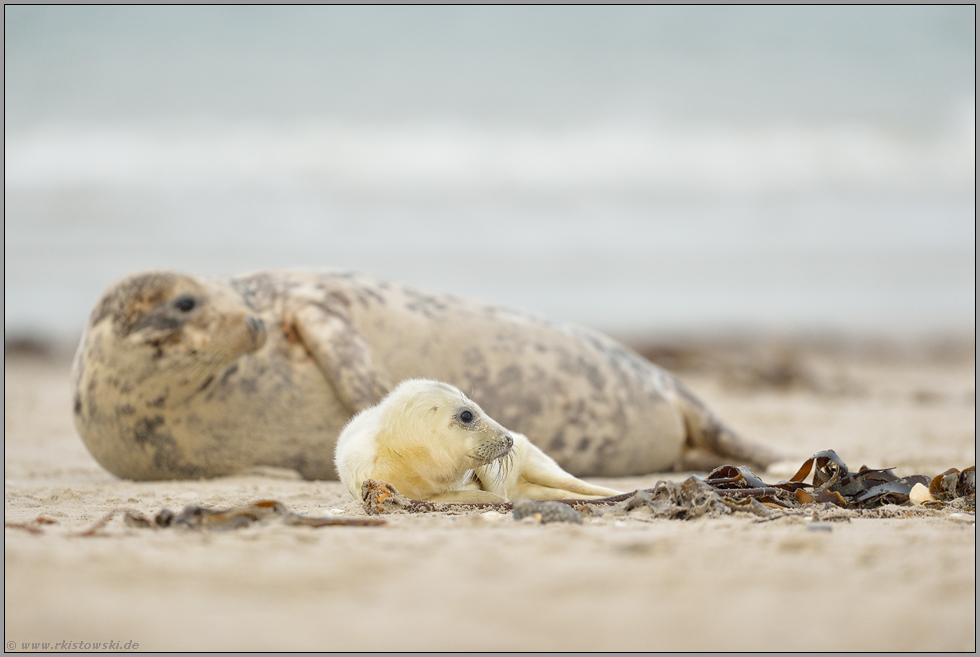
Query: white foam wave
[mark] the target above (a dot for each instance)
(464, 159)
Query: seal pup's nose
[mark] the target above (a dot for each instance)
(510, 441)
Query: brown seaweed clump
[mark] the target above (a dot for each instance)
(824, 479)
(200, 518)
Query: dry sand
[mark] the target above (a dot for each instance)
(485, 582)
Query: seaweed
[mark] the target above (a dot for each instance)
(823, 479)
(833, 482)
(953, 484)
(195, 517)
(32, 526)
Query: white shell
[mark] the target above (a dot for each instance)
(920, 494)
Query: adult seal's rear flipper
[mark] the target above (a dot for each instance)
(710, 443)
(341, 353)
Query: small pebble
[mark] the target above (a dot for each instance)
(962, 517)
(546, 511)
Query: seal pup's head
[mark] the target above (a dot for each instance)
(166, 322)
(425, 438)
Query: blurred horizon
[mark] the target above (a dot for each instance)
(641, 170)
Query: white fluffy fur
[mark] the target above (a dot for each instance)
(413, 440)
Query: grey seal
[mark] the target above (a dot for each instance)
(178, 376)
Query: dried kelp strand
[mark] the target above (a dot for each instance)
(731, 476)
(197, 517)
(953, 484)
(897, 491)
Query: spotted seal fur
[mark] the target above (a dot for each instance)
(432, 443)
(185, 377)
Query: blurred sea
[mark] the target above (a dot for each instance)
(641, 170)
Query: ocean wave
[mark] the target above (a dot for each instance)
(456, 158)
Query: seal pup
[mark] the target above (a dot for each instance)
(184, 377)
(432, 443)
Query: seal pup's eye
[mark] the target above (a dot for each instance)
(185, 303)
(466, 416)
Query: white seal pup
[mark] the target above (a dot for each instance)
(432, 443)
(184, 377)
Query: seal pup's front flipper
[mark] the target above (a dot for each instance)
(534, 475)
(341, 353)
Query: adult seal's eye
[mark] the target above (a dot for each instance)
(466, 416)
(185, 304)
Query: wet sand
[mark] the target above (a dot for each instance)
(906, 581)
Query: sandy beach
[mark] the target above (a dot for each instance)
(775, 203)
(903, 581)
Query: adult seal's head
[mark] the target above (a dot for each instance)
(153, 340)
(172, 325)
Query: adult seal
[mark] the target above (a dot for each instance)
(185, 377)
